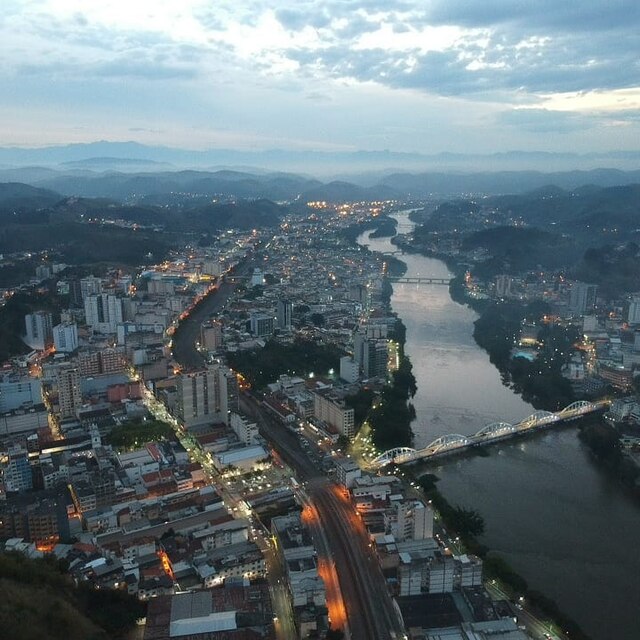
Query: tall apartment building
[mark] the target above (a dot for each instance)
(410, 520)
(17, 473)
(371, 350)
(633, 316)
(583, 297)
(95, 363)
(90, 286)
(246, 431)
(211, 335)
(69, 396)
(103, 312)
(65, 337)
(206, 396)
(39, 330)
(333, 411)
(261, 324)
(284, 314)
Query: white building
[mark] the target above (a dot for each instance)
(103, 312)
(247, 432)
(411, 520)
(633, 316)
(349, 369)
(39, 330)
(65, 337)
(334, 412)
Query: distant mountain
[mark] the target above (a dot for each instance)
(425, 184)
(313, 162)
(338, 191)
(15, 195)
(127, 186)
(177, 187)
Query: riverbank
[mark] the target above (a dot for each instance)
(533, 494)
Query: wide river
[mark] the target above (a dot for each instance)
(566, 527)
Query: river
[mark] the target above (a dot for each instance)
(564, 525)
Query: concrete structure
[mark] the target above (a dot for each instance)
(583, 297)
(39, 330)
(332, 410)
(633, 317)
(211, 335)
(261, 324)
(284, 314)
(247, 432)
(16, 392)
(206, 396)
(300, 559)
(244, 458)
(103, 312)
(411, 520)
(17, 473)
(65, 337)
(347, 471)
(349, 369)
(69, 396)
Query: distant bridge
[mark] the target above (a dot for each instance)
(490, 434)
(421, 280)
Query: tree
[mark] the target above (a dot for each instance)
(318, 319)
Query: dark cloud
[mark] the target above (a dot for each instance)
(538, 47)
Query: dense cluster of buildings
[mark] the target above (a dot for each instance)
(197, 519)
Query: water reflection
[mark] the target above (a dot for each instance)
(564, 525)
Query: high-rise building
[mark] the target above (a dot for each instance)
(246, 431)
(412, 520)
(332, 410)
(109, 360)
(375, 359)
(65, 337)
(503, 285)
(206, 396)
(69, 396)
(211, 335)
(39, 330)
(583, 297)
(103, 312)
(634, 311)
(90, 286)
(261, 324)
(17, 473)
(349, 369)
(284, 313)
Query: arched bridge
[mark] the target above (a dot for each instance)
(421, 280)
(491, 433)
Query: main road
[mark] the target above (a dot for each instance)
(342, 542)
(187, 332)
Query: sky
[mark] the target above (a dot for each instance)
(464, 76)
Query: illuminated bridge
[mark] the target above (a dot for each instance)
(490, 434)
(420, 280)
